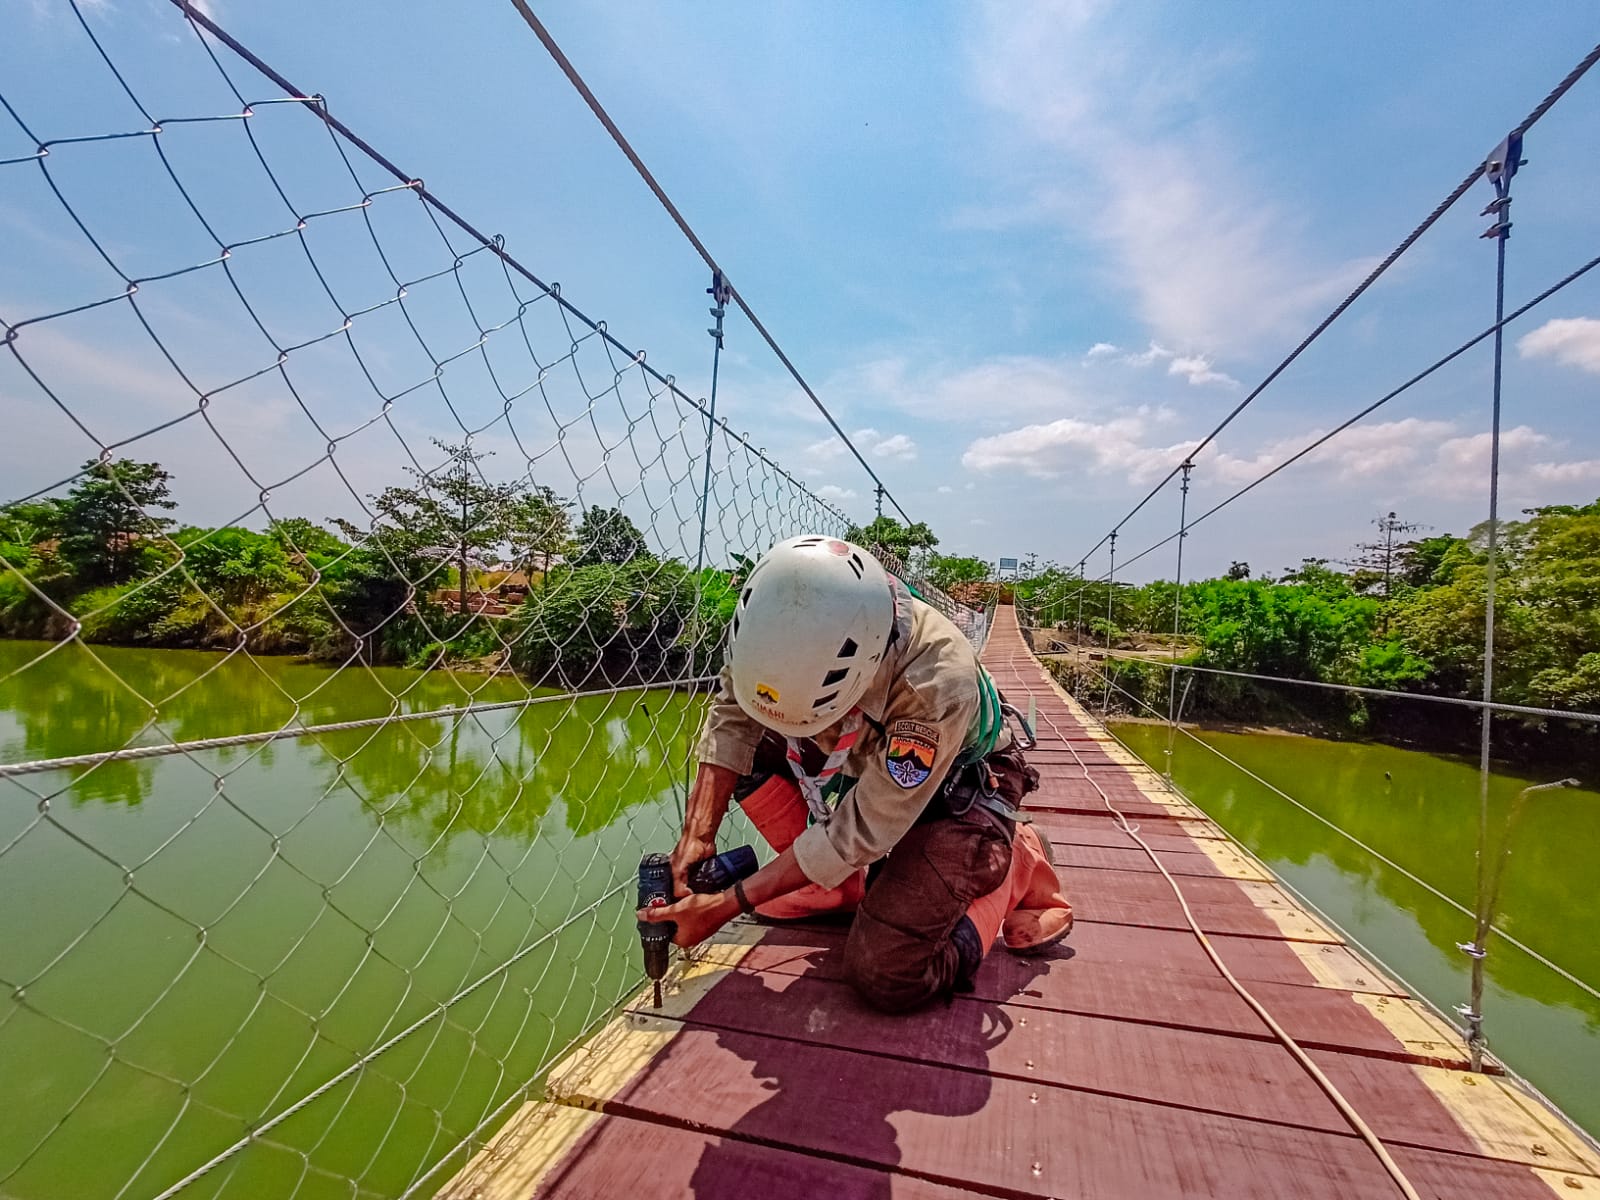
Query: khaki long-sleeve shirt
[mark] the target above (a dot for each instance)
(921, 710)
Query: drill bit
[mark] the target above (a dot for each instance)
(658, 993)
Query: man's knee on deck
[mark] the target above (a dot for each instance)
(892, 970)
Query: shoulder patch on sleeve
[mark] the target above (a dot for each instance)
(909, 752)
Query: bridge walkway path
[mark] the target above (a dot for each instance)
(1121, 1064)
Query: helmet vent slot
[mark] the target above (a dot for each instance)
(837, 675)
(848, 650)
(857, 565)
(821, 700)
(744, 596)
(735, 624)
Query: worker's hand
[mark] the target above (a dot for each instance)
(698, 917)
(689, 850)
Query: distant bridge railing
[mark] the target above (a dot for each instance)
(271, 928)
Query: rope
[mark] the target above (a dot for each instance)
(604, 118)
(1526, 710)
(1329, 1088)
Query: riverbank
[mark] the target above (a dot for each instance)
(1141, 691)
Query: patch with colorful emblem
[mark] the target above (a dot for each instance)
(909, 754)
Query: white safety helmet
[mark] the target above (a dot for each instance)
(809, 631)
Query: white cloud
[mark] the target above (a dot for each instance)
(945, 489)
(1189, 228)
(1196, 368)
(1567, 472)
(1413, 456)
(1571, 341)
(832, 491)
(896, 446)
(1057, 447)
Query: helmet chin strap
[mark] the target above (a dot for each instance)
(811, 786)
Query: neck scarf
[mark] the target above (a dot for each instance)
(811, 786)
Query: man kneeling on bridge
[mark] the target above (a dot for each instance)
(857, 729)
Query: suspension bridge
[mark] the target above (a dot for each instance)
(342, 906)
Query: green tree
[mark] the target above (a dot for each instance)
(1238, 570)
(237, 566)
(106, 514)
(303, 536)
(606, 535)
(900, 539)
(24, 526)
(947, 570)
(539, 528)
(452, 514)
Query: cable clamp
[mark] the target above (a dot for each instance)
(1472, 950)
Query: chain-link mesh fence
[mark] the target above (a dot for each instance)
(360, 596)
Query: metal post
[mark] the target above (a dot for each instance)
(1177, 621)
(1111, 590)
(1499, 169)
(1078, 656)
(879, 491)
(720, 292)
(1488, 901)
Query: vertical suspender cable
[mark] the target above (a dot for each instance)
(1499, 169)
(1177, 620)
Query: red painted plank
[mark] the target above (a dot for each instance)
(620, 1157)
(1004, 1135)
(1101, 829)
(1130, 857)
(1091, 981)
(1254, 1079)
(1130, 898)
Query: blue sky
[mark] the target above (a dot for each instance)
(1026, 253)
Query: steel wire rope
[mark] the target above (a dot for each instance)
(494, 245)
(589, 98)
(1527, 710)
(1328, 1087)
(1539, 958)
(1517, 313)
(1372, 277)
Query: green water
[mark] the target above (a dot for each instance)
(191, 944)
(1421, 811)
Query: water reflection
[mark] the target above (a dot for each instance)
(245, 923)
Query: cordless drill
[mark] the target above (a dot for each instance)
(655, 891)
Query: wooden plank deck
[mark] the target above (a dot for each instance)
(1120, 1064)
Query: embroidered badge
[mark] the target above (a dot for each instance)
(765, 691)
(908, 757)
